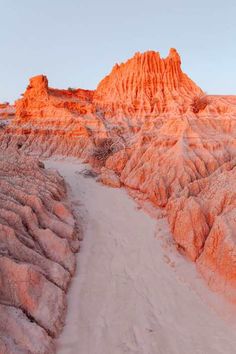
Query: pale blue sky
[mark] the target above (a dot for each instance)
(76, 42)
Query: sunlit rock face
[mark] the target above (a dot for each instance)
(146, 85)
(38, 241)
(53, 121)
(167, 139)
(41, 101)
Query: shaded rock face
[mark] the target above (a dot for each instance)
(37, 254)
(165, 138)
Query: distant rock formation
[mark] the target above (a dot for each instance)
(54, 121)
(41, 101)
(7, 111)
(146, 85)
(37, 246)
(159, 134)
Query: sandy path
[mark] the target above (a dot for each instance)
(126, 297)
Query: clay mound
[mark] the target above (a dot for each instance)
(37, 245)
(146, 85)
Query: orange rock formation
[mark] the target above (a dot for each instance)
(37, 245)
(163, 137)
(146, 85)
(54, 121)
(7, 111)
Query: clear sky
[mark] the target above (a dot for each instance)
(76, 42)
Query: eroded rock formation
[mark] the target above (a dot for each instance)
(146, 85)
(7, 112)
(149, 127)
(187, 164)
(203, 220)
(54, 121)
(37, 254)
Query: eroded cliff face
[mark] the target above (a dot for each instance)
(7, 111)
(54, 121)
(146, 85)
(187, 165)
(152, 130)
(38, 241)
(40, 101)
(174, 152)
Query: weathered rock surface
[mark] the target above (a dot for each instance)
(203, 220)
(109, 178)
(6, 110)
(168, 137)
(207, 210)
(174, 152)
(187, 163)
(62, 121)
(37, 260)
(146, 85)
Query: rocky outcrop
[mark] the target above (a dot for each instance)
(40, 101)
(37, 254)
(148, 127)
(146, 85)
(53, 121)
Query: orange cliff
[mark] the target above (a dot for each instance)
(154, 131)
(41, 101)
(146, 85)
(54, 121)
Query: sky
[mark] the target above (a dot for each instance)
(77, 42)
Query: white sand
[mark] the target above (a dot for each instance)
(130, 294)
